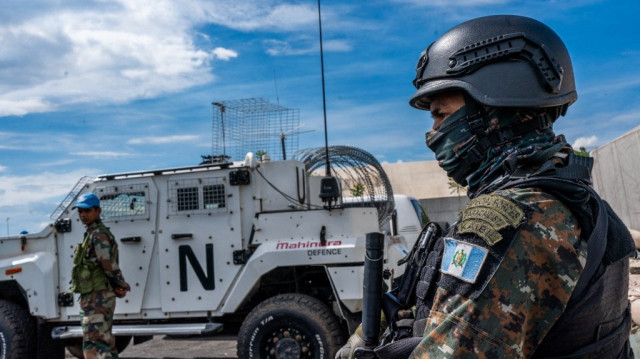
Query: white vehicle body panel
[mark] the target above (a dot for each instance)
(192, 244)
(39, 275)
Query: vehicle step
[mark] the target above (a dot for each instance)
(65, 332)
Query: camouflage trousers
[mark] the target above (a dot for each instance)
(96, 318)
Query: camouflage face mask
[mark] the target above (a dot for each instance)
(450, 142)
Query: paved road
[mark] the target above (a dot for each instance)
(161, 347)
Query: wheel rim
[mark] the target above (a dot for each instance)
(3, 346)
(289, 343)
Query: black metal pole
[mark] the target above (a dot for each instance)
(224, 143)
(324, 101)
(372, 289)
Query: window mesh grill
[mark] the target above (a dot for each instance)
(123, 202)
(187, 198)
(193, 196)
(213, 196)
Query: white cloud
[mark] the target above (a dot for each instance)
(102, 154)
(2, 168)
(35, 141)
(260, 15)
(163, 139)
(285, 48)
(103, 54)
(224, 54)
(73, 52)
(26, 202)
(613, 86)
(23, 107)
(586, 142)
(454, 3)
(39, 187)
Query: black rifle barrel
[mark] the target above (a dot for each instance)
(372, 289)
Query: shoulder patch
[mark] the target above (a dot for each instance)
(486, 215)
(462, 260)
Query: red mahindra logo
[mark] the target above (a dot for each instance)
(307, 244)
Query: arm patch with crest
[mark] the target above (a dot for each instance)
(476, 247)
(462, 260)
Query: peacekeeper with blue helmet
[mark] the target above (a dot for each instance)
(537, 265)
(96, 276)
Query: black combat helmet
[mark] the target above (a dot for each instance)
(500, 61)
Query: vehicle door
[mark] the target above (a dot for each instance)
(199, 231)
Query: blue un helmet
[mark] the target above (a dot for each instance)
(87, 201)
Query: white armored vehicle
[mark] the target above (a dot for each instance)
(246, 247)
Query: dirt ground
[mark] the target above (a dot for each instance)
(162, 347)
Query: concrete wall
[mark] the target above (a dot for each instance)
(444, 209)
(616, 176)
(421, 179)
(427, 182)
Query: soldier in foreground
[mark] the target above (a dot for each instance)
(97, 277)
(537, 264)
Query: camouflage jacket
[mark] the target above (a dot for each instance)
(508, 271)
(103, 250)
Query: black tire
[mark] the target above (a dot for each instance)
(75, 348)
(290, 326)
(17, 332)
(48, 348)
(122, 342)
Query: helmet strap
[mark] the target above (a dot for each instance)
(476, 117)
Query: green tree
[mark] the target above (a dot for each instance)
(260, 153)
(582, 152)
(357, 190)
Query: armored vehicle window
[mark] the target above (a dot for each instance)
(213, 196)
(123, 201)
(187, 199)
(194, 196)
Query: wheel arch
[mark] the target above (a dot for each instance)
(314, 281)
(36, 278)
(12, 291)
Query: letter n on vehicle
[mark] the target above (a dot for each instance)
(186, 253)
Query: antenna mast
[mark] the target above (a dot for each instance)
(324, 101)
(329, 187)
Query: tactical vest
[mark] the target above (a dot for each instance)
(597, 321)
(87, 276)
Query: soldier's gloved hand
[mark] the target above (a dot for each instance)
(355, 340)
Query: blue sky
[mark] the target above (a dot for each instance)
(93, 86)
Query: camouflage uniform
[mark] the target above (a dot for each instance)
(97, 307)
(96, 318)
(512, 278)
(522, 287)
